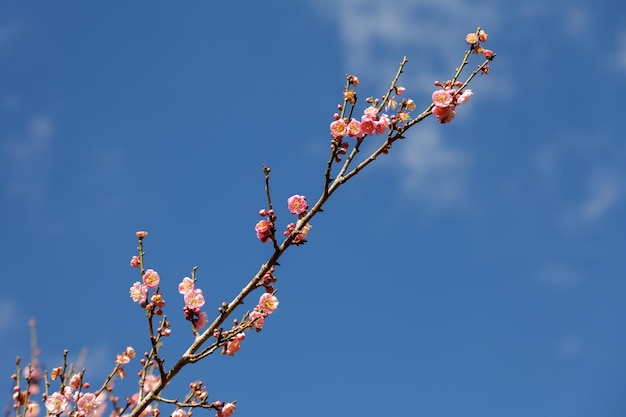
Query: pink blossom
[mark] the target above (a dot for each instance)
(268, 303)
(202, 320)
(370, 113)
(185, 285)
(134, 261)
(368, 126)
(234, 344)
(56, 403)
(151, 278)
(179, 412)
(157, 300)
(482, 36)
(338, 128)
(354, 129)
(464, 96)
(258, 318)
(471, 38)
(124, 358)
(194, 298)
(150, 382)
(75, 381)
(400, 90)
(410, 105)
(227, 410)
(297, 204)
(139, 293)
(32, 409)
(88, 404)
(102, 400)
(68, 392)
(442, 98)
(444, 114)
(382, 124)
(303, 233)
(264, 230)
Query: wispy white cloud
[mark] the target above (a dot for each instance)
(570, 346)
(559, 275)
(8, 314)
(583, 177)
(376, 35)
(603, 191)
(577, 21)
(433, 171)
(29, 160)
(618, 60)
(6, 33)
(373, 33)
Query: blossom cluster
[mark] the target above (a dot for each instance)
(194, 300)
(446, 100)
(265, 228)
(268, 303)
(139, 292)
(371, 123)
(74, 399)
(452, 93)
(296, 204)
(70, 399)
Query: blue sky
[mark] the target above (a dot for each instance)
(477, 270)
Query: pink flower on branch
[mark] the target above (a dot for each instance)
(338, 129)
(151, 278)
(56, 403)
(264, 230)
(464, 96)
(185, 285)
(32, 409)
(297, 204)
(354, 129)
(442, 98)
(126, 357)
(234, 345)
(228, 409)
(202, 320)
(194, 299)
(444, 114)
(258, 318)
(268, 303)
(88, 404)
(139, 293)
(179, 412)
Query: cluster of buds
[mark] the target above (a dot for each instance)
(301, 236)
(475, 40)
(224, 410)
(87, 404)
(265, 228)
(451, 93)
(33, 375)
(371, 123)
(139, 292)
(268, 303)
(268, 279)
(446, 100)
(297, 205)
(194, 300)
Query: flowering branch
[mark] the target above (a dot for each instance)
(153, 376)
